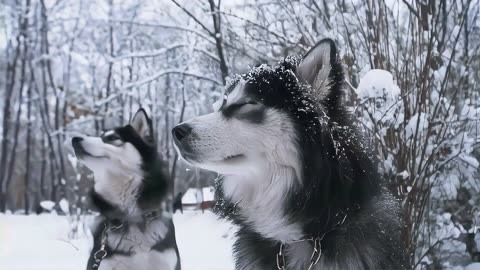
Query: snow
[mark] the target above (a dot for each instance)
(473, 266)
(193, 195)
(42, 243)
(205, 243)
(416, 124)
(378, 83)
(64, 205)
(381, 94)
(208, 193)
(47, 205)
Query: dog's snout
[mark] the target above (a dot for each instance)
(76, 140)
(181, 131)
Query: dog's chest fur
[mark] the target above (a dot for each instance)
(141, 246)
(339, 251)
(138, 238)
(260, 202)
(364, 242)
(143, 241)
(298, 257)
(142, 260)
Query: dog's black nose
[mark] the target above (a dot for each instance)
(181, 131)
(76, 140)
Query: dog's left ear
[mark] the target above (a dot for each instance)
(321, 68)
(143, 125)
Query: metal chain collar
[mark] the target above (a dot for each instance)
(101, 253)
(316, 254)
(317, 243)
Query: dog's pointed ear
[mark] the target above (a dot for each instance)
(319, 67)
(143, 125)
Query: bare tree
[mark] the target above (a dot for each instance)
(216, 33)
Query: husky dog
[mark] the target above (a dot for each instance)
(296, 176)
(130, 186)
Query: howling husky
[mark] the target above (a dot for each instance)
(296, 176)
(130, 186)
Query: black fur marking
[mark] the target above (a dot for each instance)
(155, 182)
(110, 138)
(254, 114)
(339, 174)
(107, 209)
(168, 242)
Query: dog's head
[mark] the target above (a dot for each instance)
(119, 151)
(266, 115)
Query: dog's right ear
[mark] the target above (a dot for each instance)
(143, 125)
(321, 69)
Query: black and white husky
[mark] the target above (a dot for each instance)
(295, 176)
(130, 185)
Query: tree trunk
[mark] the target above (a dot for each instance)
(56, 170)
(26, 200)
(22, 43)
(217, 35)
(43, 169)
(110, 64)
(10, 85)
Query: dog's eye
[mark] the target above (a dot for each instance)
(252, 102)
(238, 107)
(111, 138)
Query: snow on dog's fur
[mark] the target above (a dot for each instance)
(130, 187)
(293, 167)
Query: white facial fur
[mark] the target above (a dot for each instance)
(217, 138)
(117, 171)
(269, 166)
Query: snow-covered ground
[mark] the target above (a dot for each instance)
(42, 242)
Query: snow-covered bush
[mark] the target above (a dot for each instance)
(428, 157)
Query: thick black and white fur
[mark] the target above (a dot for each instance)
(129, 190)
(294, 167)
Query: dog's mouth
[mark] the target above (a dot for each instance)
(234, 157)
(226, 160)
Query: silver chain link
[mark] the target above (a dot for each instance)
(317, 246)
(101, 253)
(314, 258)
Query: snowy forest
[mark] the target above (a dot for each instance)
(412, 72)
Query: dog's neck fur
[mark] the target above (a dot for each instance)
(260, 207)
(120, 190)
(259, 197)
